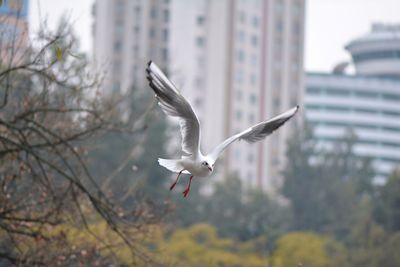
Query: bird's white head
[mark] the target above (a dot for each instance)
(206, 165)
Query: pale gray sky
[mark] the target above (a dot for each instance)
(330, 24)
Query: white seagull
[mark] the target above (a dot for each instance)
(193, 162)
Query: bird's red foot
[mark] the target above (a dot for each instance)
(177, 178)
(172, 186)
(187, 190)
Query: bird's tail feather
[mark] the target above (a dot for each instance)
(173, 165)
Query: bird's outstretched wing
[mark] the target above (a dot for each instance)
(254, 133)
(174, 104)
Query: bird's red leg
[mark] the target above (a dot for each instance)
(177, 178)
(186, 192)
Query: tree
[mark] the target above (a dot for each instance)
(49, 108)
(387, 203)
(236, 212)
(308, 250)
(200, 245)
(325, 187)
(126, 163)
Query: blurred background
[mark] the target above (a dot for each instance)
(80, 133)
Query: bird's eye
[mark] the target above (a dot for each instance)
(206, 163)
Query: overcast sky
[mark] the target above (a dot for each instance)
(330, 24)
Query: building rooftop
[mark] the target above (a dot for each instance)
(380, 32)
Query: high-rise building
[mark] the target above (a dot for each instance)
(238, 62)
(13, 31)
(126, 34)
(245, 65)
(367, 102)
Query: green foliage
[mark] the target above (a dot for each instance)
(126, 163)
(387, 204)
(324, 188)
(300, 249)
(235, 212)
(200, 246)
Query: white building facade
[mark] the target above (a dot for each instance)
(238, 62)
(368, 102)
(245, 65)
(126, 34)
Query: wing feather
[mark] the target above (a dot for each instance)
(254, 133)
(174, 104)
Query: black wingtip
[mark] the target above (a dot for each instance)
(297, 106)
(149, 63)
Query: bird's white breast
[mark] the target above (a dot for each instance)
(195, 168)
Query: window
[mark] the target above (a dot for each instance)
(153, 12)
(253, 59)
(201, 62)
(252, 98)
(119, 26)
(117, 66)
(242, 17)
(241, 36)
(366, 94)
(365, 56)
(392, 113)
(251, 118)
(136, 50)
(239, 76)
(165, 35)
(238, 115)
(116, 86)
(250, 158)
(239, 95)
(296, 27)
(240, 56)
(297, 8)
(313, 90)
(337, 109)
(394, 97)
(199, 82)
(237, 154)
(15, 5)
(200, 41)
(164, 53)
(152, 32)
(365, 110)
(254, 40)
(117, 46)
(253, 79)
(279, 6)
(136, 29)
(119, 7)
(279, 26)
(337, 92)
(200, 20)
(256, 22)
(198, 102)
(137, 10)
(277, 103)
(166, 15)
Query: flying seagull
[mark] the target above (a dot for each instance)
(193, 162)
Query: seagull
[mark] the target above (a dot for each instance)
(193, 162)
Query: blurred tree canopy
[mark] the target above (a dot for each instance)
(325, 188)
(80, 184)
(50, 113)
